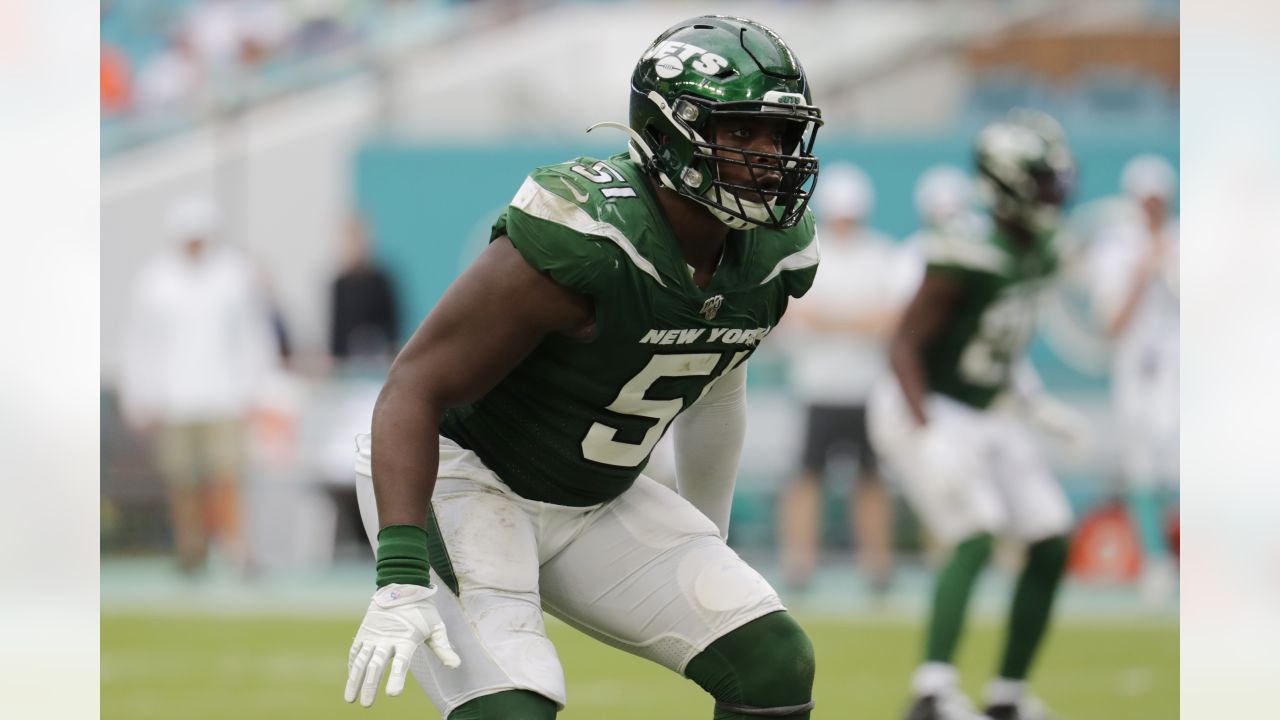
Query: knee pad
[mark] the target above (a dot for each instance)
(762, 669)
(508, 705)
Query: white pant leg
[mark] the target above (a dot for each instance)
(1148, 424)
(649, 574)
(495, 622)
(1035, 504)
(955, 500)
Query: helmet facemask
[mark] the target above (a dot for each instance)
(777, 186)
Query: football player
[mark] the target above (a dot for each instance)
(1134, 265)
(617, 297)
(952, 419)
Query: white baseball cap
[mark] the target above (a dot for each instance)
(844, 191)
(1148, 176)
(943, 191)
(193, 216)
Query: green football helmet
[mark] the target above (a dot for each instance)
(1025, 169)
(711, 68)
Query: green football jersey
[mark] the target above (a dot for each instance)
(973, 357)
(574, 423)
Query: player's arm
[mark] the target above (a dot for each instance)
(708, 446)
(488, 320)
(925, 316)
(492, 316)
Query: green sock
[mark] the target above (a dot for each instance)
(1032, 605)
(506, 705)
(951, 597)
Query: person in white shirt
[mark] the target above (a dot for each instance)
(1134, 273)
(197, 349)
(944, 199)
(172, 79)
(839, 331)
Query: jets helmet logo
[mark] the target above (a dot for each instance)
(673, 54)
(712, 306)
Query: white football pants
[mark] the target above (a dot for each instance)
(644, 572)
(995, 480)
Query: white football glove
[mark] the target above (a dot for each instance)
(400, 618)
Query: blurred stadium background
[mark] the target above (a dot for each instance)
(419, 118)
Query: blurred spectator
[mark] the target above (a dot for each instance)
(197, 351)
(216, 29)
(170, 80)
(114, 81)
(944, 197)
(266, 29)
(230, 38)
(1134, 272)
(944, 204)
(365, 316)
(322, 24)
(838, 347)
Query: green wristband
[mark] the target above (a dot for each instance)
(402, 556)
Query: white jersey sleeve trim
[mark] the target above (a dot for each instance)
(537, 201)
(799, 260)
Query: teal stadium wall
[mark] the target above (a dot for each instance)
(431, 205)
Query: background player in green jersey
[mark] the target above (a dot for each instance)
(504, 476)
(953, 420)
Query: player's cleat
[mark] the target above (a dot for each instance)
(1029, 708)
(1003, 712)
(951, 706)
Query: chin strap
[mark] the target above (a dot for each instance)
(635, 136)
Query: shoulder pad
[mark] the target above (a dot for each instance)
(587, 182)
(557, 221)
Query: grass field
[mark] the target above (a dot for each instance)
(260, 668)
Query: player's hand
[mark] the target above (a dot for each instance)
(1063, 423)
(400, 618)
